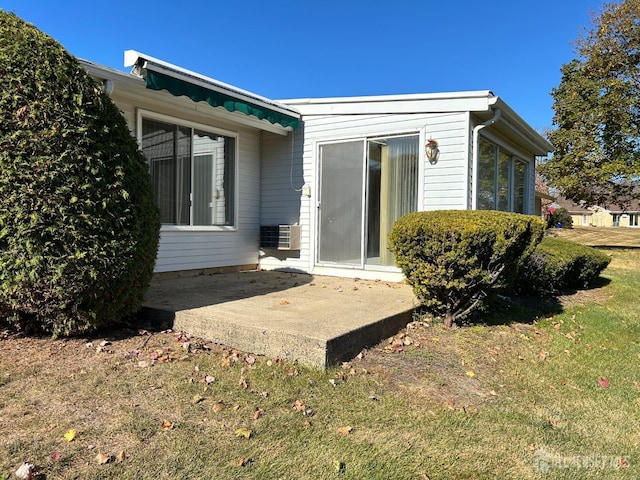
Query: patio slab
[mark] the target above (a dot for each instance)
(316, 320)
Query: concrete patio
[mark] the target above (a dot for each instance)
(316, 320)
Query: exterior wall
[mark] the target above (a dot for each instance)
(199, 248)
(581, 219)
(286, 168)
(601, 218)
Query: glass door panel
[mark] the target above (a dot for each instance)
(393, 166)
(341, 201)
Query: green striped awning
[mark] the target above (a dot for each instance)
(198, 93)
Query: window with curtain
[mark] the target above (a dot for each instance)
(393, 165)
(192, 171)
(502, 180)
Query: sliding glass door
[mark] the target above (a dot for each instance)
(365, 186)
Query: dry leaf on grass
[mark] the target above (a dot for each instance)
(218, 406)
(103, 458)
(166, 425)
(345, 430)
(70, 435)
(26, 471)
(258, 413)
(243, 432)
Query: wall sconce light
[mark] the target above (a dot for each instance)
(432, 151)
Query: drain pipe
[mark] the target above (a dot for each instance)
(497, 113)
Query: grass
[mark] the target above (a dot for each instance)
(555, 396)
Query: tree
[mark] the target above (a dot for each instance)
(78, 223)
(597, 112)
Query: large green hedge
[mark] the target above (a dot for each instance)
(558, 264)
(455, 258)
(78, 224)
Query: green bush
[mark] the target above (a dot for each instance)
(78, 223)
(558, 264)
(455, 258)
(559, 217)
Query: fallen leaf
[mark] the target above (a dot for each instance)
(542, 355)
(121, 456)
(345, 430)
(26, 471)
(70, 435)
(340, 466)
(55, 456)
(243, 432)
(250, 360)
(470, 373)
(258, 413)
(284, 302)
(604, 383)
(218, 406)
(197, 399)
(103, 458)
(209, 379)
(243, 462)
(166, 425)
(299, 406)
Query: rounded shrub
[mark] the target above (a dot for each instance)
(455, 258)
(559, 264)
(78, 224)
(560, 218)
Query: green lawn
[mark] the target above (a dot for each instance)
(602, 236)
(535, 391)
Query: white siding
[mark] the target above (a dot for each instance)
(198, 248)
(444, 184)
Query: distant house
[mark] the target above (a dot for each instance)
(597, 216)
(312, 185)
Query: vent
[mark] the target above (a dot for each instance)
(282, 237)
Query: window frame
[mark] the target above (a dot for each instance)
(514, 158)
(142, 114)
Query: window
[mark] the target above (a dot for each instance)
(502, 180)
(634, 219)
(616, 219)
(193, 173)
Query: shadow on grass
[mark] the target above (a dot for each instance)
(528, 308)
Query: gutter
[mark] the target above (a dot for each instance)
(497, 113)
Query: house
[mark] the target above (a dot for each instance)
(312, 185)
(601, 216)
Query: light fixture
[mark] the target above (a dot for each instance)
(432, 151)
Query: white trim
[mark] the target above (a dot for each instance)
(167, 227)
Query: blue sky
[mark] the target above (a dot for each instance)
(302, 48)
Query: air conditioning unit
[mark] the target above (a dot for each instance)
(282, 237)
